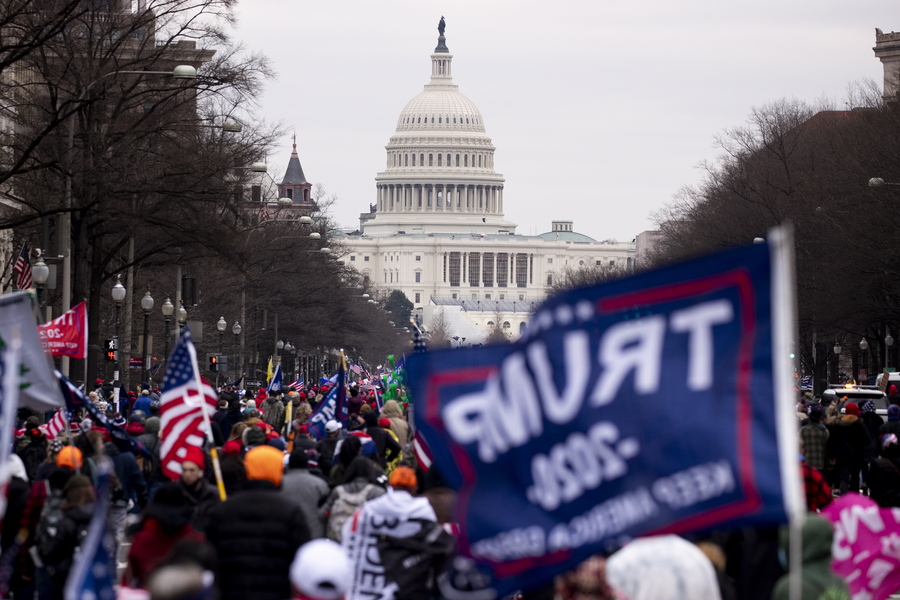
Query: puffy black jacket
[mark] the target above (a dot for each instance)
(256, 533)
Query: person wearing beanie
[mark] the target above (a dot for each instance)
(814, 437)
(202, 496)
(376, 560)
(257, 532)
(305, 490)
(272, 409)
(143, 402)
(166, 522)
(59, 551)
(848, 439)
(387, 447)
(70, 457)
(253, 437)
(320, 571)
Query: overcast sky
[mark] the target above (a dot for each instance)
(600, 110)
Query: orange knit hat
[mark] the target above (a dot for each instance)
(403, 478)
(265, 462)
(69, 456)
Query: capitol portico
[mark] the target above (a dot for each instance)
(437, 230)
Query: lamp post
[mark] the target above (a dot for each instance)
(168, 309)
(181, 316)
(221, 325)
(40, 273)
(289, 351)
(836, 363)
(146, 306)
(236, 330)
(888, 342)
(118, 295)
(864, 348)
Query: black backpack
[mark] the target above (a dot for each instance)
(51, 517)
(414, 562)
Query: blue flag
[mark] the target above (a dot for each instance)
(75, 400)
(94, 569)
(275, 382)
(333, 406)
(657, 403)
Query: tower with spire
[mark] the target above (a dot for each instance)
(294, 184)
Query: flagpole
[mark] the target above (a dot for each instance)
(213, 452)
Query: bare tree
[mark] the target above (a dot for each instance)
(439, 331)
(586, 276)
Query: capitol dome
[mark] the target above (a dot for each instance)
(440, 109)
(439, 176)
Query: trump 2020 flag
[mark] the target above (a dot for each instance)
(333, 406)
(185, 394)
(657, 403)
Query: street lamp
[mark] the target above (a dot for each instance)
(146, 306)
(221, 325)
(40, 273)
(863, 344)
(837, 348)
(168, 309)
(236, 330)
(118, 295)
(181, 316)
(888, 342)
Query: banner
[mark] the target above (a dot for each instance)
(866, 546)
(67, 334)
(37, 386)
(657, 403)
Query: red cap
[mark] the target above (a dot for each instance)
(98, 381)
(384, 422)
(892, 391)
(851, 408)
(303, 429)
(232, 448)
(196, 456)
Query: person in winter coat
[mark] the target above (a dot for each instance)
(77, 512)
(388, 449)
(814, 436)
(360, 485)
(325, 447)
(817, 580)
(847, 442)
(892, 426)
(399, 425)
(379, 536)
(306, 491)
(257, 532)
(200, 495)
(272, 409)
(166, 522)
(232, 414)
(34, 452)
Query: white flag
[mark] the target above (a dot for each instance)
(37, 385)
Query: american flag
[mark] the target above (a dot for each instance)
(264, 212)
(52, 428)
(22, 268)
(184, 394)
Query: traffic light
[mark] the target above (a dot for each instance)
(110, 350)
(223, 363)
(213, 362)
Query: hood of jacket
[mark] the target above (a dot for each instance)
(847, 420)
(400, 504)
(392, 410)
(151, 425)
(818, 534)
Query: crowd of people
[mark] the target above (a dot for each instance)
(352, 515)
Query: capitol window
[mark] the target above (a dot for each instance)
(414, 160)
(454, 120)
(466, 160)
(365, 259)
(352, 258)
(440, 157)
(418, 277)
(432, 120)
(418, 258)
(457, 160)
(431, 160)
(422, 159)
(418, 297)
(439, 120)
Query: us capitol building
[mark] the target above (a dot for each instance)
(437, 230)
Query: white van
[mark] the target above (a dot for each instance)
(893, 379)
